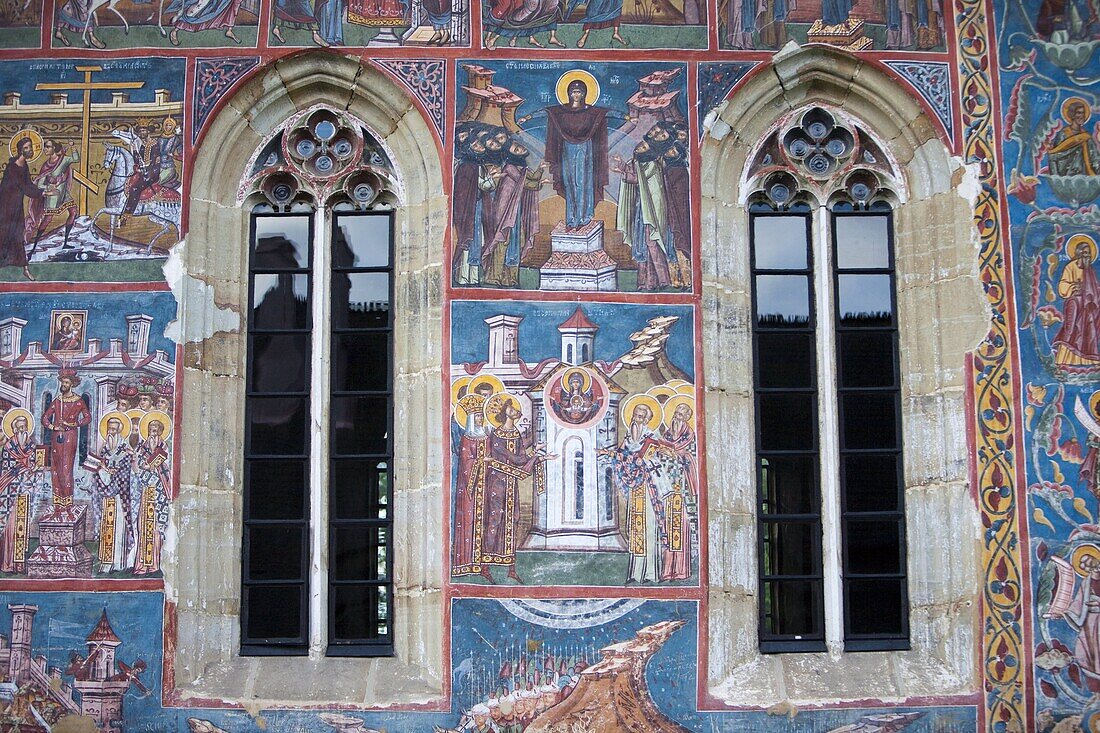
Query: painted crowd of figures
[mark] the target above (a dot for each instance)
(126, 473)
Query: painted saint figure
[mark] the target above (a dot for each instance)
(64, 418)
(680, 505)
(574, 402)
(15, 186)
(1074, 151)
(201, 15)
(111, 480)
(469, 484)
(55, 179)
(576, 152)
(17, 487)
(1077, 343)
(641, 216)
(149, 492)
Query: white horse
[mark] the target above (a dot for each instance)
(120, 162)
(94, 6)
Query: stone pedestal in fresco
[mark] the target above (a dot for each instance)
(847, 35)
(61, 552)
(578, 260)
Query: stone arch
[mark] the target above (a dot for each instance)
(943, 317)
(208, 276)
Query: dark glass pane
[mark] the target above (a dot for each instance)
(280, 301)
(275, 551)
(787, 422)
(871, 483)
(282, 242)
(358, 553)
(866, 300)
(791, 548)
(867, 359)
(792, 608)
(277, 489)
(869, 420)
(779, 242)
(785, 359)
(278, 425)
(359, 489)
(789, 484)
(280, 363)
(360, 362)
(872, 547)
(876, 606)
(861, 242)
(361, 300)
(274, 612)
(359, 425)
(782, 301)
(357, 611)
(361, 241)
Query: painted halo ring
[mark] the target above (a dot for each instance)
(642, 399)
(127, 426)
(1079, 239)
(1094, 404)
(458, 391)
(593, 381)
(35, 138)
(9, 419)
(662, 392)
(494, 405)
(1073, 101)
(670, 406)
(1087, 549)
(592, 86)
(151, 417)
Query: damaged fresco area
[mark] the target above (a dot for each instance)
(88, 396)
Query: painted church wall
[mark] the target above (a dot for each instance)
(103, 105)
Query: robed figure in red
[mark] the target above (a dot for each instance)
(465, 559)
(64, 417)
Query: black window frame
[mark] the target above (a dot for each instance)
(378, 646)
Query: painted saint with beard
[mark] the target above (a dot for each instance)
(515, 216)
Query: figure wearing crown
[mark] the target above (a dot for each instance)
(64, 418)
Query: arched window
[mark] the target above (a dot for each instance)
(320, 346)
(827, 390)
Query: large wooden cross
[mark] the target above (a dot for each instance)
(87, 86)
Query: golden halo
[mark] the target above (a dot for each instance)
(662, 392)
(585, 385)
(135, 414)
(669, 408)
(158, 416)
(686, 388)
(1072, 101)
(490, 379)
(494, 405)
(1094, 404)
(677, 383)
(122, 417)
(457, 390)
(591, 85)
(1077, 239)
(1080, 552)
(10, 416)
(642, 399)
(36, 143)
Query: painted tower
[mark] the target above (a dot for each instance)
(22, 623)
(99, 682)
(575, 408)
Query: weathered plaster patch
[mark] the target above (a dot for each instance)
(191, 294)
(713, 123)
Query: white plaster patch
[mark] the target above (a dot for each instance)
(195, 300)
(970, 186)
(713, 123)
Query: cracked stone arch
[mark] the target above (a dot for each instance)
(210, 279)
(942, 317)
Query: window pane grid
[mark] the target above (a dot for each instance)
(788, 499)
(275, 558)
(361, 523)
(872, 501)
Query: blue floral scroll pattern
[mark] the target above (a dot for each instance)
(213, 78)
(427, 79)
(716, 81)
(933, 80)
